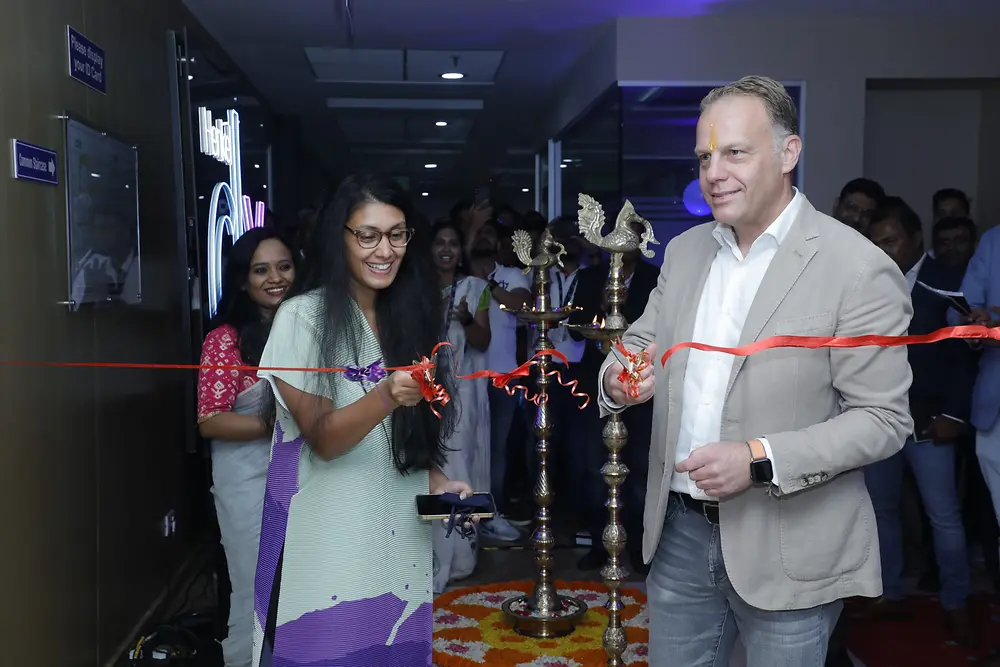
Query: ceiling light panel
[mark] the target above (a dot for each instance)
(477, 67)
(394, 66)
(403, 103)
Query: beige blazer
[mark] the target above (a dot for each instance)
(826, 413)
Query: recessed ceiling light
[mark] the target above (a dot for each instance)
(442, 123)
(425, 194)
(190, 77)
(452, 76)
(525, 190)
(566, 159)
(430, 166)
(256, 166)
(265, 186)
(562, 166)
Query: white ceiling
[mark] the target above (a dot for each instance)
(364, 75)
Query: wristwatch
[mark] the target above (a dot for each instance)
(761, 470)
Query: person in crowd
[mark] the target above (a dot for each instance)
(981, 287)
(586, 429)
(259, 273)
(762, 453)
(343, 554)
(939, 398)
(857, 200)
(954, 241)
(509, 287)
(466, 325)
(951, 203)
(856, 203)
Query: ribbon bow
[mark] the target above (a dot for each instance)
(634, 364)
(372, 373)
(462, 510)
(423, 374)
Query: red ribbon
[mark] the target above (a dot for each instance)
(571, 385)
(423, 370)
(630, 375)
(422, 373)
(973, 331)
(504, 380)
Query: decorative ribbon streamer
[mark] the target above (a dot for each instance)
(503, 380)
(572, 386)
(373, 373)
(973, 331)
(630, 375)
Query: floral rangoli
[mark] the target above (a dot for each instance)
(470, 629)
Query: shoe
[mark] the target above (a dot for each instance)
(498, 528)
(960, 628)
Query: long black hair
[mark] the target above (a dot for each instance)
(408, 313)
(236, 308)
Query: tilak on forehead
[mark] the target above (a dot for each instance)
(712, 139)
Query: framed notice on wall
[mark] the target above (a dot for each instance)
(102, 217)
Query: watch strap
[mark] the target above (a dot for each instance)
(757, 451)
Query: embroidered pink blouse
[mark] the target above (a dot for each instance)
(218, 389)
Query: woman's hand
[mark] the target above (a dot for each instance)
(451, 486)
(402, 389)
(462, 313)
(445, 485)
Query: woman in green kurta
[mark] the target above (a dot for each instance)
(344, 573)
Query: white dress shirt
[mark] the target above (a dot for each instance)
(732, 284)
(730, 288)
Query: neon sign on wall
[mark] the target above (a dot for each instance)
(221, 140)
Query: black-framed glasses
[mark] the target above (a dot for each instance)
(370, 238)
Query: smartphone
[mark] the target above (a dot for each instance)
(433, 507)
(482, 197)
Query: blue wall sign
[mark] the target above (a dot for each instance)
(86, 61)
(34, 163)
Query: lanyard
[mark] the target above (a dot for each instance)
(451, 307)
(569, 293)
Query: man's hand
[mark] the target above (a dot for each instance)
(944, 430)
(720, 469)
(990, 319)
(615, 389)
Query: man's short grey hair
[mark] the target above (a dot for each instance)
(776, 100)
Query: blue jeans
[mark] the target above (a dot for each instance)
(503, 407)
(934, 469)
(695, 614)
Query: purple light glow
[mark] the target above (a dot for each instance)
(694, 202)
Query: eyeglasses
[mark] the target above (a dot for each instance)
(370, 238)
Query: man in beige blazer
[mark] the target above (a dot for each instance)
(757, 520)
